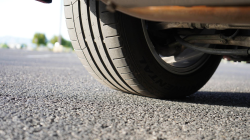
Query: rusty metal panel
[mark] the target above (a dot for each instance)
(194, 14)
(144, 3)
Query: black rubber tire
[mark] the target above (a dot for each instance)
(112, 47)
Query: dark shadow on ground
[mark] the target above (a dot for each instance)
(234, 99)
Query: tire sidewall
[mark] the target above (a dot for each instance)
(150, 73)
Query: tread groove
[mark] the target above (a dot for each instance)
(130, 79)
(94, 66)
(122, 67)
(116, 47)
(86, 44)
(96, 47)
(118, 58)
(105, 48)
(112, 36)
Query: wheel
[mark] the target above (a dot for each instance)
(119, 52)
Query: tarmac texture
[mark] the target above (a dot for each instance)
(44, 95)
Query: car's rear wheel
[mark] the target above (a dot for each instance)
(119, 52)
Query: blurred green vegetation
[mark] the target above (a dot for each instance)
(64, 42)
(4, 45)
(39, 39)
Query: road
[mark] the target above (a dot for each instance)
(51, 96)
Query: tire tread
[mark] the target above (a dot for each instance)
(98, 45)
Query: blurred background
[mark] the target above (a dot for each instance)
(32, 25)
(35, 26)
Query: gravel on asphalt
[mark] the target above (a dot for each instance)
(44, 95)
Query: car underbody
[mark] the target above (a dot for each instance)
(193, 14)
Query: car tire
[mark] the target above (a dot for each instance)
(113, 48)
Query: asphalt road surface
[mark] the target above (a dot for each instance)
(51, 96)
